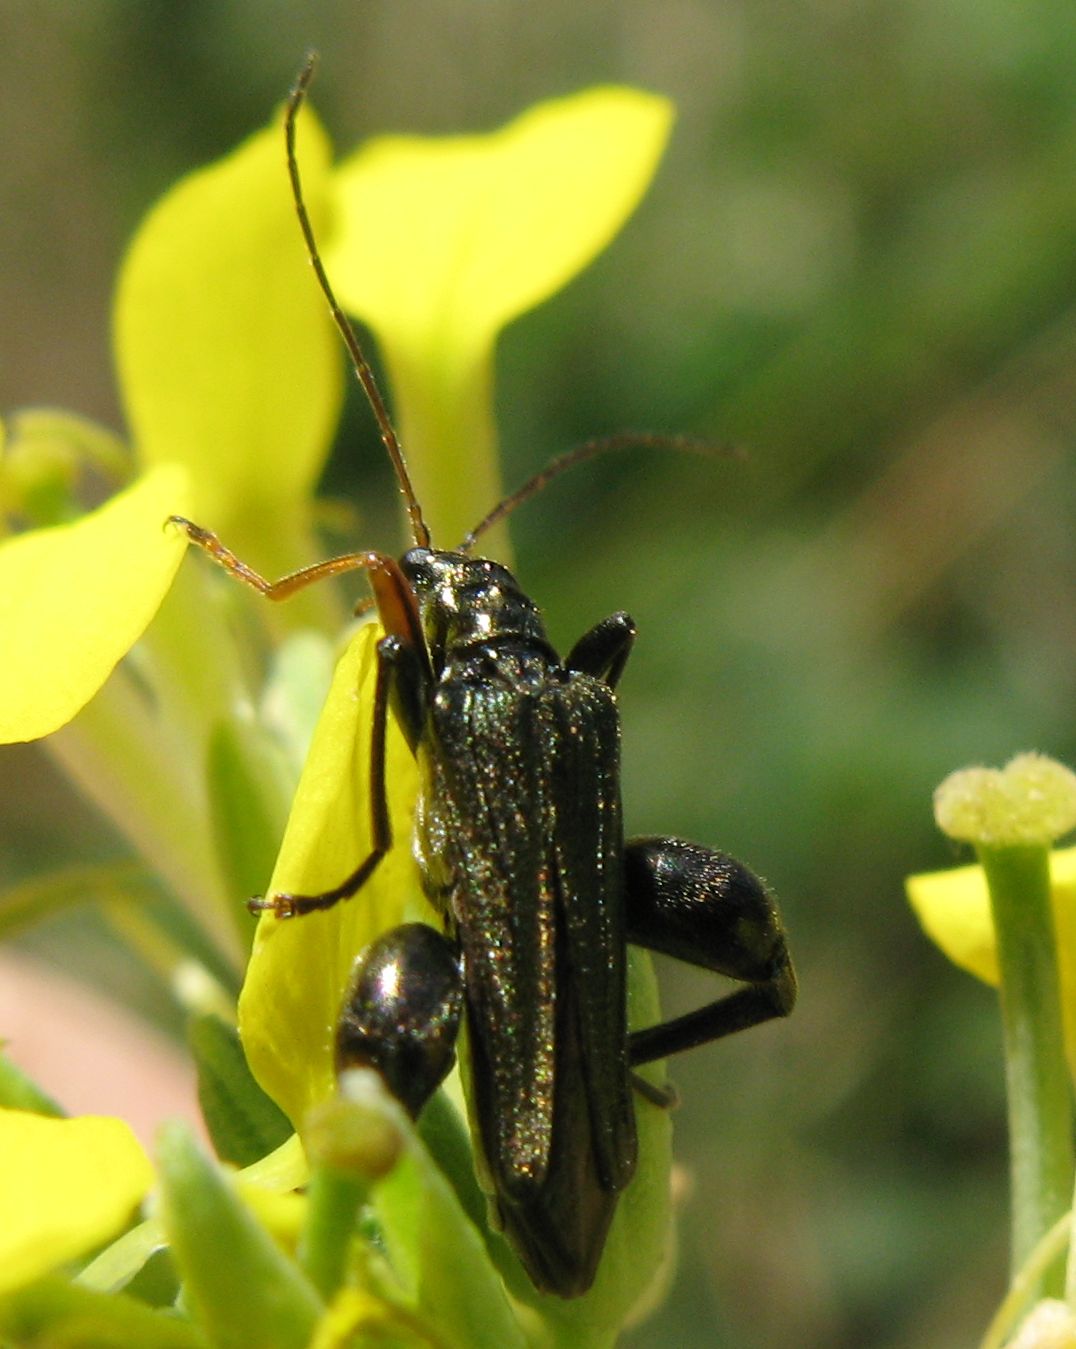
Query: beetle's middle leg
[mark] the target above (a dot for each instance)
(603, 650)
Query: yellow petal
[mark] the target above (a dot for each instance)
(954, 910)
(300, 966)
(441, 242)
(444, 240)
(226, 355)
(67, 1186)
(74, 599)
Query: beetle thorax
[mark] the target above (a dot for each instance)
(466, 602)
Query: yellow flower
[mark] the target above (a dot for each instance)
(231, 378)
(954, 909)
(231, 385)
(441, 243)
(68, 1185)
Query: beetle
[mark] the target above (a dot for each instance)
(520, 847)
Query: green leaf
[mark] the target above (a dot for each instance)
(436, 1251)
(75, 598)
(249, 792)
(19, 1092)
(55, 1314)
(242, 1288)
(243, 1122)
(33, 900)
(445, 1135)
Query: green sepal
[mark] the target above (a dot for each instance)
(444, 1133)
(237, 1282)
(55, 1314)
(19, 1092)
(243, 1123)
(438, 1254)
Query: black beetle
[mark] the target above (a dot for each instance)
(520, 846)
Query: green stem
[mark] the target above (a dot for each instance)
(1017, 1300)
(333, 1201)
(1040, 1103)
(449, 435)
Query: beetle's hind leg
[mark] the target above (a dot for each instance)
(708, 909)
(401, 1013)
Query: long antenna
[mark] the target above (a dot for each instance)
(591, 449)
(419, 529)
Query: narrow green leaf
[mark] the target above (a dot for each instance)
(243, 1122)
(121, 1263)
(33, 900)
(249, 794)
(444, 1133)
(55, 1314)
(18, 1092)
(243, 1288)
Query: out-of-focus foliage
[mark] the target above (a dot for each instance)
(858, 263)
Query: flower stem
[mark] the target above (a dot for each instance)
(1040, 1105)
(333, 1201)
(447, 425)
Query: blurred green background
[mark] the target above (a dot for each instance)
(858, 262)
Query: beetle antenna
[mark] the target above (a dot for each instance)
(419, 529)
(591, 449)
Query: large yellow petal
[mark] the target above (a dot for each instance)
(447, 239)
(441, 242)
(226, 355)
(300, 966)
(67, 1186)
(75, 598)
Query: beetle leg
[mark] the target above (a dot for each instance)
(603, 650)
(289, 905)
(409, 686)
(286, 586)
(401, 1012)
(665, 1097)
(706, 908)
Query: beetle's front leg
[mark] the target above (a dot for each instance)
(708, 909)
(398, 680)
